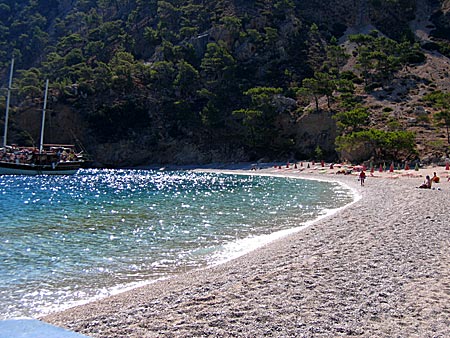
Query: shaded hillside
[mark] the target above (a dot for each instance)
(190, 81)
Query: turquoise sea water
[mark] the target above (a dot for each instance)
(65, 239)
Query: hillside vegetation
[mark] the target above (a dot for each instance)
(188, 81)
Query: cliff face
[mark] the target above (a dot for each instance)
(441, 20)
(390, 17)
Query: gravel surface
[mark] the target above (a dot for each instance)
(378, 268)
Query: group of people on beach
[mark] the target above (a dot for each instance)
(425, 185)
(429, 181)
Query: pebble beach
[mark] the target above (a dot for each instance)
(378, 268)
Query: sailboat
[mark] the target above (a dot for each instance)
(48, 159)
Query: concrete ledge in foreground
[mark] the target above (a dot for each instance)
(32, 328)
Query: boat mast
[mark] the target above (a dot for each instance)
(8, 97)
(41, 144)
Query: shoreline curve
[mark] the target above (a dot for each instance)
(376, 268)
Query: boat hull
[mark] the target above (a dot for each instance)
(62, 168)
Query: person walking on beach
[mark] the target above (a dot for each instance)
(362, 177)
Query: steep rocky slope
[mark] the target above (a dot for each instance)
(401, 105)
(132, 108)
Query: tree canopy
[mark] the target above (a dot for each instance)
(210, 73)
